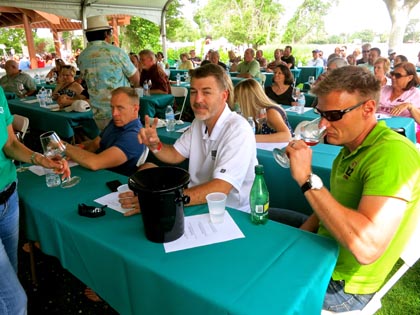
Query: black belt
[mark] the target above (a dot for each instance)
(5, 195)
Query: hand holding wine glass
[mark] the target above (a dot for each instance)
(311, 133)
(55, 149)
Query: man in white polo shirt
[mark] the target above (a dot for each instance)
(219, 144)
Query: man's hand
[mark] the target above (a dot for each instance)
(148, 135)
(300, 155)
(129, 201)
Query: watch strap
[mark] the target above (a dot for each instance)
(305, 187)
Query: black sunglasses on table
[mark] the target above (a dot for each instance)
(334, 115)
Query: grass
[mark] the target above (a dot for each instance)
(404, 297)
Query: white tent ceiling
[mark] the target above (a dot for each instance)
(151, 10)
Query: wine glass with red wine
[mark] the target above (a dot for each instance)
(310, 132)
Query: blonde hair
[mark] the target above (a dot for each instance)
(251, 98)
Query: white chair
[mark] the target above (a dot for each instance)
(409, 256)
(179, 91)
(20, 125)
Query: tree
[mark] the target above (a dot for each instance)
(240, 21)
(12, 38)
(399, 11)
(412, 34)
(307, 23)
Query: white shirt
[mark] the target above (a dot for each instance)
(318, 62)
(229, 154)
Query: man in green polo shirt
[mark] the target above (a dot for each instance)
(374, 202)
(249, 68)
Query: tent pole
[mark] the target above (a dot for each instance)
(30, 42)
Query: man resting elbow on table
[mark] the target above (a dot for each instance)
(219, 144)
(117, 147)
(373, 205)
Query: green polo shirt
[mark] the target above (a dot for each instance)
(253, 68)
(385, 164)
(7, 169)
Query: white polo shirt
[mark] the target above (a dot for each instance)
(229, 154)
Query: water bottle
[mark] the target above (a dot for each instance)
(252, 124)
(42, 97)
(259, 197)
(37, 79)
(178, 79)
(170, 119)
(146, 88)
(301, 104)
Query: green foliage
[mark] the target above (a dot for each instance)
(140, 34)
(412, 35)
(240, 21)
(307, 23)
(366, 36)
(12, 38)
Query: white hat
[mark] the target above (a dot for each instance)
(78, 106)
(96, 23)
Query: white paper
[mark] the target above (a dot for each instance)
(53, 106)
(182, 130)
(111, 201)
(295, 108)
(30, 101)
(199, 231)
(271, 146)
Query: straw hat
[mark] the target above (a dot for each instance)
(96, 23)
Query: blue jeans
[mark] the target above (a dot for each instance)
(12, 296)
(336, 300)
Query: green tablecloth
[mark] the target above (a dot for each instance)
(61, 122)
(305, 72)
(154, 105)
(296, 73)
(395, 122)
(174, 72)
(275, 269)
(10, 95)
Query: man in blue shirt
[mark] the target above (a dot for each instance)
(117, 147)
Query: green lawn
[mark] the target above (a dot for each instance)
(404, 297)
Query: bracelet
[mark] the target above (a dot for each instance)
(159, 147)
(33, 158)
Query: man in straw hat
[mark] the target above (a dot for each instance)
(104, 68)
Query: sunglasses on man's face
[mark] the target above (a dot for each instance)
(397, 75)
(334, 115)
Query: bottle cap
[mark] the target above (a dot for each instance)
(259, 169)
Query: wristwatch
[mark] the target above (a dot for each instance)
(313, 182)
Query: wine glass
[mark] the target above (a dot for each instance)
(311, 80)
(295, 93)
(261, 118)
(21, 89)
(20, 168)
(55, 149)
(310, 132)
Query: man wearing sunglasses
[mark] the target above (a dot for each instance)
(373, 205)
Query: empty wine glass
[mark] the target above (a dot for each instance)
(261, 118)
(311, 80)
(310, 132)
(55, 149)
(20, 168)
(21, 89)
(295, 93)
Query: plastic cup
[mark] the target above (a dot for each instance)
(216, 202)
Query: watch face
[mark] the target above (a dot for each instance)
(316, 182)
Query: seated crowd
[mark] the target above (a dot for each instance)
(369, 212)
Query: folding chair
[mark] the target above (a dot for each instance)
(179, 91)
(20, 124)
(409, 256)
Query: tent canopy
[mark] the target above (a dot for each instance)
(152, 10)
(79, 10)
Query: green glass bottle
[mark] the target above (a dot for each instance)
(259, 197)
